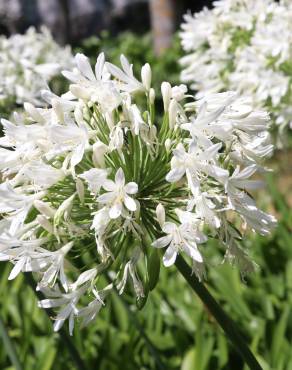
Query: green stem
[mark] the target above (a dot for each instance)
(224, 321)
(9, 346)
(80, 365)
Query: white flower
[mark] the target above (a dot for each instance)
(89, 312)
(194, 162)
(95, 178)
(56, 267)
(243, 46)
(27, 63)
(179, 239)
(126, 80)
(95, 87)
(117, 195)
(71, 139)
(178, 92)
(40, 174)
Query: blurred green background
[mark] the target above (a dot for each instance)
(174, 330)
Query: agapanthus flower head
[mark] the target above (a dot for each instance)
(28, 63)
(99, 178)
(245, 46)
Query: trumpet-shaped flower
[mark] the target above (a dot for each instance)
(117, 195)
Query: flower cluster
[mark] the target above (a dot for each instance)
(97, 182)
(27, 63)
(245, 46)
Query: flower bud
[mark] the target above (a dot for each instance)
(33, 112)
(44, 208)
(146, 76)
(152, 96)
(80, 190)
(45, 223)
(160, 214)
(168, 144)
(98, 151)
(166, 94)
(64, 210)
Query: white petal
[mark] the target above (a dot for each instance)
(106, 198)
(169, 227)
(99, 66)
(33, 112)
(130, 203)
(127, 67)
(193, 253)
(71, 324)
(109, 185)
(120, 177)
(63, 278)
(131, 188)
(175, 174)
(169, 256)
(162, 242)
(58, 324)
(77, 155)
(116, 72)
(84, 66)
(115, 210)
(17, 268)
(49, 303)
(71, 76)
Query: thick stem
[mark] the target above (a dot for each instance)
(223, 320)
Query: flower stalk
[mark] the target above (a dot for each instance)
(226, 323)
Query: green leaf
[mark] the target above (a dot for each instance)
(9, 347)
(189, 361)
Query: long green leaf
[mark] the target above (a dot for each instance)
(9, 346)
(223, 320)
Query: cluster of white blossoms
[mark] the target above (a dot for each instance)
(96, 183)
(27, 63)
(245, 46)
